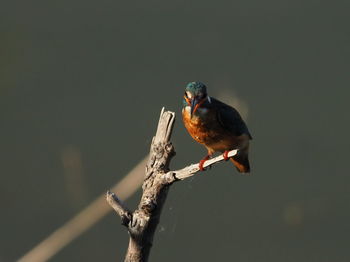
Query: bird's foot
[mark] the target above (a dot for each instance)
(201, 163)
(225, 155)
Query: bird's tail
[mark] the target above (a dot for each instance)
(241, 162)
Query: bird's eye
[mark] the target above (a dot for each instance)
(188, 95)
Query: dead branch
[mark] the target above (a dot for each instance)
(192, 169)
(142, 223)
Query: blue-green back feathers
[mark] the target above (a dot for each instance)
(229, 118)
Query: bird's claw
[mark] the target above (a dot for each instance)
(225, 155)
(201, 163)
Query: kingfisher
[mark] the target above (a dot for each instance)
(216, 125)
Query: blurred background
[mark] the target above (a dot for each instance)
(82, 84)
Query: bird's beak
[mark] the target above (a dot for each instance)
(194, 106)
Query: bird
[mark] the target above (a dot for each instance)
(216, 125)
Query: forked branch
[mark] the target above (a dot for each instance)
(142, 223)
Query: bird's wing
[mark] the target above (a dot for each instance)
(230, 119)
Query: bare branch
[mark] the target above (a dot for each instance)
(192, 169)
(119, 207)
(143, 221)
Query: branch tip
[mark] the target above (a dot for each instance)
(119, 207)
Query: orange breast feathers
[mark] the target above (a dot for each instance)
(194, 126)
(213, 137)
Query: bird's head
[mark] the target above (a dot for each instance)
(195, 95)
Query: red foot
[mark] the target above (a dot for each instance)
(225, 155)
(201, 163)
